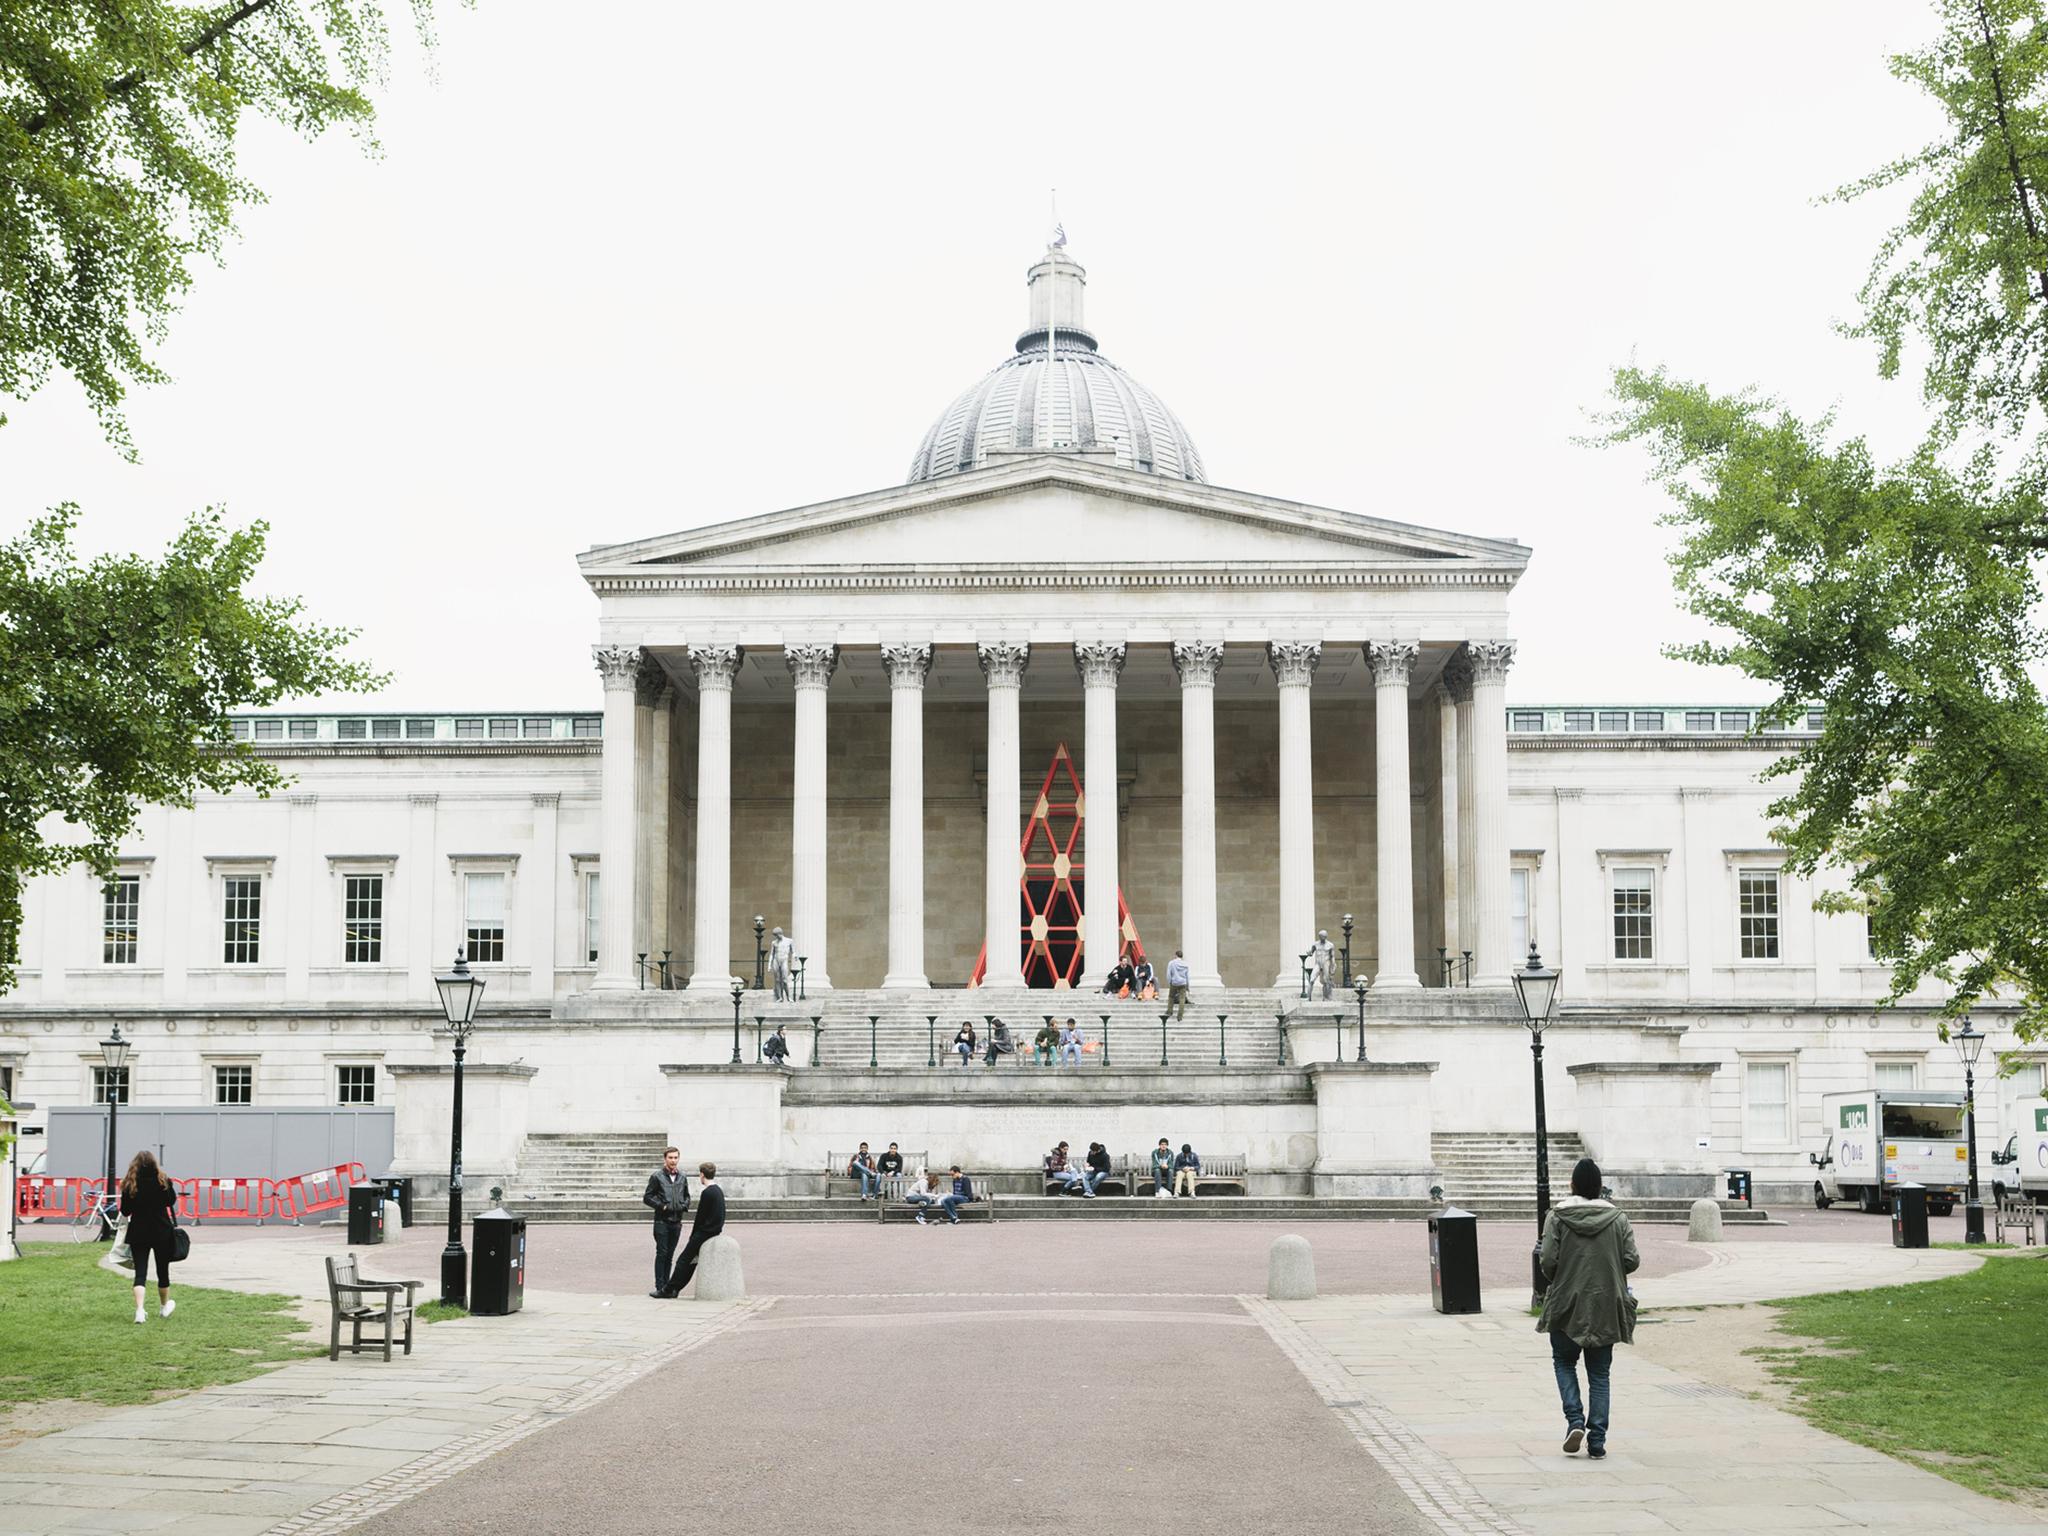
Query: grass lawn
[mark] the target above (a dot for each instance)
(1947, 1374)
(439, 1312)
(67, 1330)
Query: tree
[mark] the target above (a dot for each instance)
(116, 676)
(117, 161)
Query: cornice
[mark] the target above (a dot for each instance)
(1023, 578)
(1576, 741)
(581, 746)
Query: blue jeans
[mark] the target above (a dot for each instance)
(1071, 1052)
(1092, 1178)
(920, 1201)
(1564, 1359)
(951, 1206)
(870, 1181)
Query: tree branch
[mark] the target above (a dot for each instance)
(2012, 158)
(205, 39)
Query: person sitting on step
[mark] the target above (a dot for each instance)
(999, 1042)
(1047, 1041)
(1144, 982)
(1118, 982)
(1071, 1042)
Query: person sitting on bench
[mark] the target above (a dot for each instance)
(999, 1042)
(964, 1042)
(1071, 1041)
(1057, 1167)
(1186, 1169)
(1098, 1168)
(862, 1166)
(922, 1195)
(963, 1192)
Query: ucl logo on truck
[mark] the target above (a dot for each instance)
(1855, 1117)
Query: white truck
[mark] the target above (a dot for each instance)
(1877, 1141)
(2021, 1167)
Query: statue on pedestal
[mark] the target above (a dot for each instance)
(1322, 965)
(782, 966)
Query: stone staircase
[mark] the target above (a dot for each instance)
(584, 1176)
(1492, 1174)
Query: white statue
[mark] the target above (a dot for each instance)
(782, 965)
(1322, 964)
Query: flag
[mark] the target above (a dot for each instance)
(1059, 237)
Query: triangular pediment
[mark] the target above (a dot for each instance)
(1059, 511)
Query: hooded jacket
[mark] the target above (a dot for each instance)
(1588, 1253)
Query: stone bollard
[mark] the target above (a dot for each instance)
(1290, 1270)
(1705, 1225)
(718, 1271)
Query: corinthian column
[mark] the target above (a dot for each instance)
(1294, 666)
(1458, 937)
(1003, 663)
(908, 665)
(1393, 663)
(619, 666)
(1490, 661)
(810, 666)
(1197, 661)
(1100, 664)
(716, 666)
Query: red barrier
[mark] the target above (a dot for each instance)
(44, 1198)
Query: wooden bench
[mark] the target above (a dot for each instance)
(1219, 1175)
(1115, 1182)
(894, 1207)
(835, 1168)
(345, 1292)
(2017, 1213)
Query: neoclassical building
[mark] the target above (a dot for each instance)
(967, 739)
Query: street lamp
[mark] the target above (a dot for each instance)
(1536, 986)
(114, 1052)
(1362, 984)
(460, 993)
(1970, 1045)
(1347, 943)
(739, 990)
(760, 953)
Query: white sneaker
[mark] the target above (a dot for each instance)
(1088, 1194)
(167, 1308)
(138, 1314)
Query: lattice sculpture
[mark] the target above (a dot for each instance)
(1052, 894)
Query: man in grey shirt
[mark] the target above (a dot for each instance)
(668, 1196)
(1177, 985)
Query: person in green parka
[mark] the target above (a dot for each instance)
(1588, 1254)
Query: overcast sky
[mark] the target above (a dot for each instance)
(703, 262)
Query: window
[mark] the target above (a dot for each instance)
(2028, 1082)
(355, 1085)
(239, 729)
(242, 919)
(1526, 720)
(1633, 918)
(384, 730)
(1767, 1103)
(123, 908)
(1815, 719)
(483, 916)
(1869, 937)
(352, 730)
(419, 730)
(504, 730)
(362, 919)
(592, 911)
(1757, 913)
(1896, 1075)
(1699, 719)
(1649, 720)
(234, 1085)
(587, 725)
(1518, 913)
(1578, 719)
(1613, 719)
(534, 728)
(1734, 719)
(270, 730)
(104, 1078)
(469, 729)
(303, 730)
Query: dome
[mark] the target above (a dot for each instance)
(1058, 394)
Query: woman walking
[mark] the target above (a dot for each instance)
(146, 1200)
(1588, 1253)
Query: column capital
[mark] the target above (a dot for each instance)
(908, 663)
(616, 664)
(1003, 662)
(649, 681)
(1457, 678)
(716, 665)
(811, 665)
(1099, 662)
(1294, 661)
(1393, 661)
(1197, 662)
(1490, 659)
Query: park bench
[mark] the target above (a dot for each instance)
(345, 1292)
(1219, 1175)
(835, 1168)
(893, 1206)
(2017, 1213)
(1116, 1182)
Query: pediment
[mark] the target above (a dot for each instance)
(1049, 511)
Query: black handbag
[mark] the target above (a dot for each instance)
(181, 1240)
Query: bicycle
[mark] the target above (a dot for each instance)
(96, 1220)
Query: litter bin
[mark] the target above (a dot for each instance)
(400, 1190)
(366, 1215)
(1454, 1260)
(1739, 1185)
(497, 1278)
(1909, 1216)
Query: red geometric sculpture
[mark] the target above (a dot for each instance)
(1052, 891)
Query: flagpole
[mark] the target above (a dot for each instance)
(1052, 286)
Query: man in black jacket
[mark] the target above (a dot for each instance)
(710, 1221)
(668, 1196)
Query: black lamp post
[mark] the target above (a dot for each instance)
(1361, 984)
(1536, 985)
(760, 953)
(1970, 1045)
(1347, 943)
(739, 990)
(114, 1052)
(460, 993)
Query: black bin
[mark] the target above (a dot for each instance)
(1909, 1216)
(497, 1277)
(1454, 1260)
(400, 1191)
(366, 1215)
(1739, 1185)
